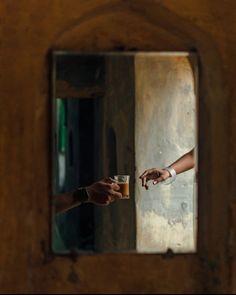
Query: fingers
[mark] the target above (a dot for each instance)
(111, 191)
(157, 175)
(110, 187)
(143, 174)
(149, 172)
(111, 198)
(160, 179)
(145, 180)
(115, 186)
(117, 195)
(106, 190)
(105, 200)
(143, 177)
(110, 180)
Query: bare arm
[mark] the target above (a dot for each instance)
(182, 164)
(100, 193)
(69, 200)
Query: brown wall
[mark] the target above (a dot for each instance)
(29, 30)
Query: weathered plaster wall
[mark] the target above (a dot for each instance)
(29, 30)
(164, 130)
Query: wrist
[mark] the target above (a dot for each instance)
(172, 174)
(80, 196)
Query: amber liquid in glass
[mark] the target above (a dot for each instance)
(124, 189)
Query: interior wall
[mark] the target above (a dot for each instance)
(165, 129)
(29, 30)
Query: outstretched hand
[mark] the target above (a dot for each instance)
(157, 175)
(103, 192)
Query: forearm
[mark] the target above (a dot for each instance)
(70, 200)
(184, 163)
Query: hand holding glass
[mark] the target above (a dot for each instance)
(123, 182)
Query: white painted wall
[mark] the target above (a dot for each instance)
(164, 131)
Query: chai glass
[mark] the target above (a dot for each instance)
(123, 182)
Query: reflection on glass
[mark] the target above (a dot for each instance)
(120, 114)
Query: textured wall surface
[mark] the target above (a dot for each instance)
(164, 130)
(115, 224)
(29, 31)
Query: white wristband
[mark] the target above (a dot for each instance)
(172, 175)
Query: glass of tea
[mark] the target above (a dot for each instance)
(123, 182)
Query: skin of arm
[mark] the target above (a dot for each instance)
(182, 164)
(100, 193)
